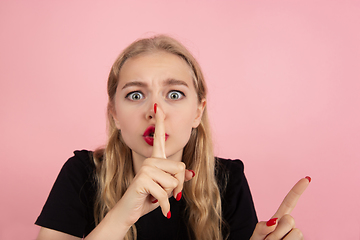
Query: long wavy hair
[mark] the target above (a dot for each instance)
(114, 166)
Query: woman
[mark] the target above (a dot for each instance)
(158, 153)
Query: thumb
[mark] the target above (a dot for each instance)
(263, 229)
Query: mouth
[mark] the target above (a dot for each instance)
(148, 135)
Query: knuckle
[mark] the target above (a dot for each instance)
(164, 196)
(261, 228)
(171, 185)
(181, 166)
(272, 237)
(174, 183)
(289, 220)
(145, 169)
(142, 177)
(297, 233)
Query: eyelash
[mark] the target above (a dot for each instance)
(128, 96)
(176, 91)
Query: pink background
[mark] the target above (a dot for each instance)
(284, 96)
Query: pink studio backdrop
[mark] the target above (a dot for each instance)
(284, 86)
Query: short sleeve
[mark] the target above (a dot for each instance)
(69, 207)
(237, 203)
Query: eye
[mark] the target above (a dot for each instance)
(175, 95)
(135, 96)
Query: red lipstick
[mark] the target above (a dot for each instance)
(148, 135)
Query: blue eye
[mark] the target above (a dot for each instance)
(175, 95)
(135, 96)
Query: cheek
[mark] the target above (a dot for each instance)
(130, 130)
(183, 121)
(128, 120)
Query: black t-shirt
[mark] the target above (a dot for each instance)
(70, 205)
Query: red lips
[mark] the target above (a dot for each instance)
(149, 135)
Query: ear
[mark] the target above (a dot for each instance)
(199, 113)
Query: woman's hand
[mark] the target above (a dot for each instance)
(282, 224)
(156, 181)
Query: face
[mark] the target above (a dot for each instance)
(161, 78)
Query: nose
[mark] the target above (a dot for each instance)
(150, 114)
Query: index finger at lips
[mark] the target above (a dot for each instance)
(292, 197)
(159, 135)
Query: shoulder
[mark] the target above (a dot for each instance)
(69, 207)
(81, 161)
(77, 171)
(232, 165)
(229, 172)
(237, 205)
(80, 158)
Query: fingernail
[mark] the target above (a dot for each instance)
(193, 173)
(168, 215)
(308, 178)
(271, 222)
(178, 196)
(155, 106)
(155, 201)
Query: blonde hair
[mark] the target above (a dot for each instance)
(114, 169)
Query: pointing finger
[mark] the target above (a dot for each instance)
(292, 197)
(159, 135)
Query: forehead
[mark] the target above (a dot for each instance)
(155, 67)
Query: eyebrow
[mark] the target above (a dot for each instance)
(134, 83)
(167, 82)
(172, 81)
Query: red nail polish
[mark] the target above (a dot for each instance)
(178, 196)
(168, 215)
(308, 178)
(193, 173)
(155, 201)
(155, 106)
(271, 222)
